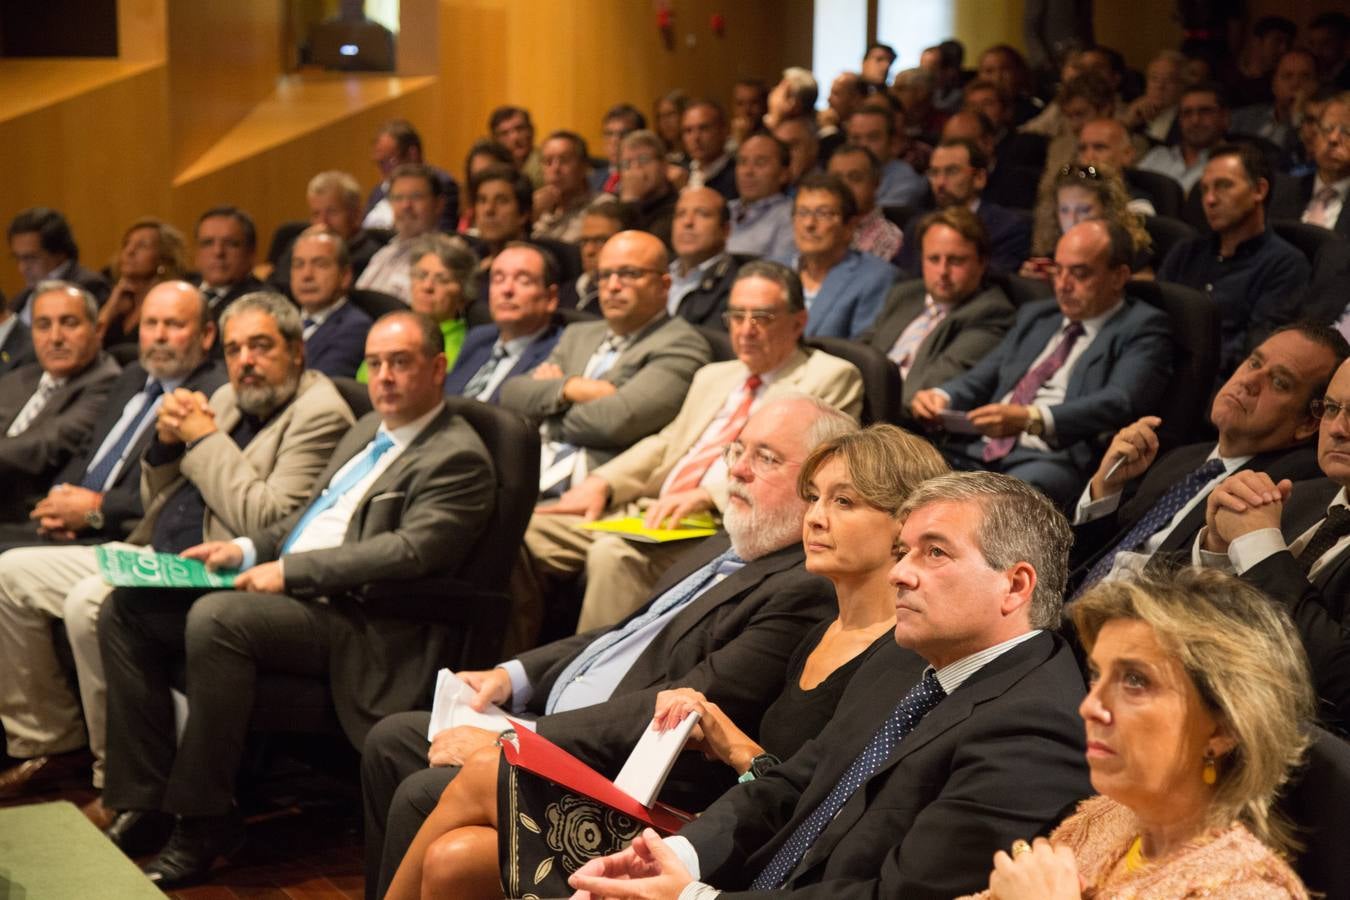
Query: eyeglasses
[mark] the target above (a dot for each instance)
(822, 214)
(761, 317)
(625, 274)
(1331, 128)
(763, 463)
(1328, 409)
(1087, 173)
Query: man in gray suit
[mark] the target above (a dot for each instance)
(47, 408)
(325, 593)
(609, 384)
(939, 326)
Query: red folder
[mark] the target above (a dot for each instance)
(546, 759)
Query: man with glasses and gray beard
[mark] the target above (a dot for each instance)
(213, 470)
(723, 620)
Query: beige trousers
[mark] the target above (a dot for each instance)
(40, 713)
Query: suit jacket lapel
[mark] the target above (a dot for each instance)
(408, 457)
(908, 307)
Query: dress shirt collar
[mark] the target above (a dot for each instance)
(1342, 187)
(404, 435)
(623, 342)
(318, 318)
(930, 303)
(47, 382)
(1092, 326)
(953, 675)
(677, 269)
(742, 209)
(1342, 498)
(516, 346)
(1249, 247)
(712, 169)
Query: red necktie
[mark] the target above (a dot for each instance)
(690, 471)
(1033, 381)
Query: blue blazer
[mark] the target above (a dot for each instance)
(477, 350)
(1119, 378)
(338, 346)
(851, 296)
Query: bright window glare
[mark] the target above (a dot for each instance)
(911, 25)
(840, 37)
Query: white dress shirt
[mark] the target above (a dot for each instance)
(1251, 549)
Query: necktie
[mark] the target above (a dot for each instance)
(692, 586)
(1158, 515)
(1319, 207)
(306, 324)
(1033, 381)
(333, 493)
(96, 476)
(1334, 527)
(907, 344)
(30, 411)
(566, 466)
(483, 377)
(690, 471)
(907, 714)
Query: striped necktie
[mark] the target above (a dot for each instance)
(33, 408)
(1031, 383)
(333, 493)
(689, 472)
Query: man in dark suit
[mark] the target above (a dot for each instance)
(1135, 508)
(522, 298)
(397, 144)
(1008, 183)
(399, 481)
(44, 248)
(1310, 574)
(334, 328)
(729, 639)
(937, 327)
(928, 765)
(703, 130)
(1322, 197)
(16, 341)
(702, 271)
(1090, 361)
(227, 243)
(956, 176)
(49, 407)
(334, 200)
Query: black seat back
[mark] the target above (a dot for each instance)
(354, 392)
(880, 377)
(1314, 801)
(1194, 318)
(375, 303)
(1309, 239)
(1166, 195)
(1166, 233)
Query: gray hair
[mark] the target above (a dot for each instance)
(282, 311)
(805, 90)
(57, 286)
(829, 422)
(455, 255)
(1020, 524)
(334, 182)
(343, 255)
(644, 138)
(780, 275)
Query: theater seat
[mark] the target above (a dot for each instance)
(375, 303)
(719, 341)
(1020, 290)
(1194, 318)
(1166, 195)
(1166, 233)
(880, 377)
(1314, 801)
(354, 392)
(1309, 239)
(283, 237)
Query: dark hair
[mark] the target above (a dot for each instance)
(1090, 86)
(1206, 87)
(417, 170)
(577, 141)
(877, 45)
(404, 134)
(1322, 335)
(711, 104)
(232, 212)
(551, 267)
(868, 109)
(488, 147)
(978, 158)
(1122, 244)
(1114, 59)
(873, 163)
(780, 275)
(1254, 162)
(953, 53)
(961, 220)
(433, 342)
(784, 151)
(823, 181)
(1266, 24)
(52, 229)
(626, 111)
(606, 205)
(502, 113)
(1337, 22)
(521, 187)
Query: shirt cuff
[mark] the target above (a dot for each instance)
(1202, 557)
(521, 689)
(250, 552)
(685, 853)
(1089, 510)
(1047, 422)
(1254, 548)
(697, 890)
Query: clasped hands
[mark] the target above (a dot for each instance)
(61, 514)
(1244, 502)
(993, 420)
(184, 416)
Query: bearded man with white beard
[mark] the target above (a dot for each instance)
(723, 620)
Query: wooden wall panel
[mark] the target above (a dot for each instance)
(223, 58)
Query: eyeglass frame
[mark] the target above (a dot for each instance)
(627, 275)
(1321, 407)
(764, 463)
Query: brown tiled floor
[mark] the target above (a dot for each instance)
(302, 848)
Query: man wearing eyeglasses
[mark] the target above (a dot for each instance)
(1310, 574)
(1321, 198)
(679, 471)
(1204, 121)
(415, 195)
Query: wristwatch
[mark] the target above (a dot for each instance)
(758, 766)
(94, 519)
(1035, 424)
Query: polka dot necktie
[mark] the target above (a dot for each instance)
(908, 713)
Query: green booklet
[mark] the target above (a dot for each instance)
(133, 568)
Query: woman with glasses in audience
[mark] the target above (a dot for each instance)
(443, 287)
(152, 251)
(853, 486)
(1199, 689)
(1076, 194)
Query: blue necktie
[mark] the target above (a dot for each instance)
(693, 585)
(96, 476)
(483, 376)
(558, 477)
(907, 714)
(1157, 516)
(333, 493)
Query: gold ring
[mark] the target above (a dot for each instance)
(1019, 847)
